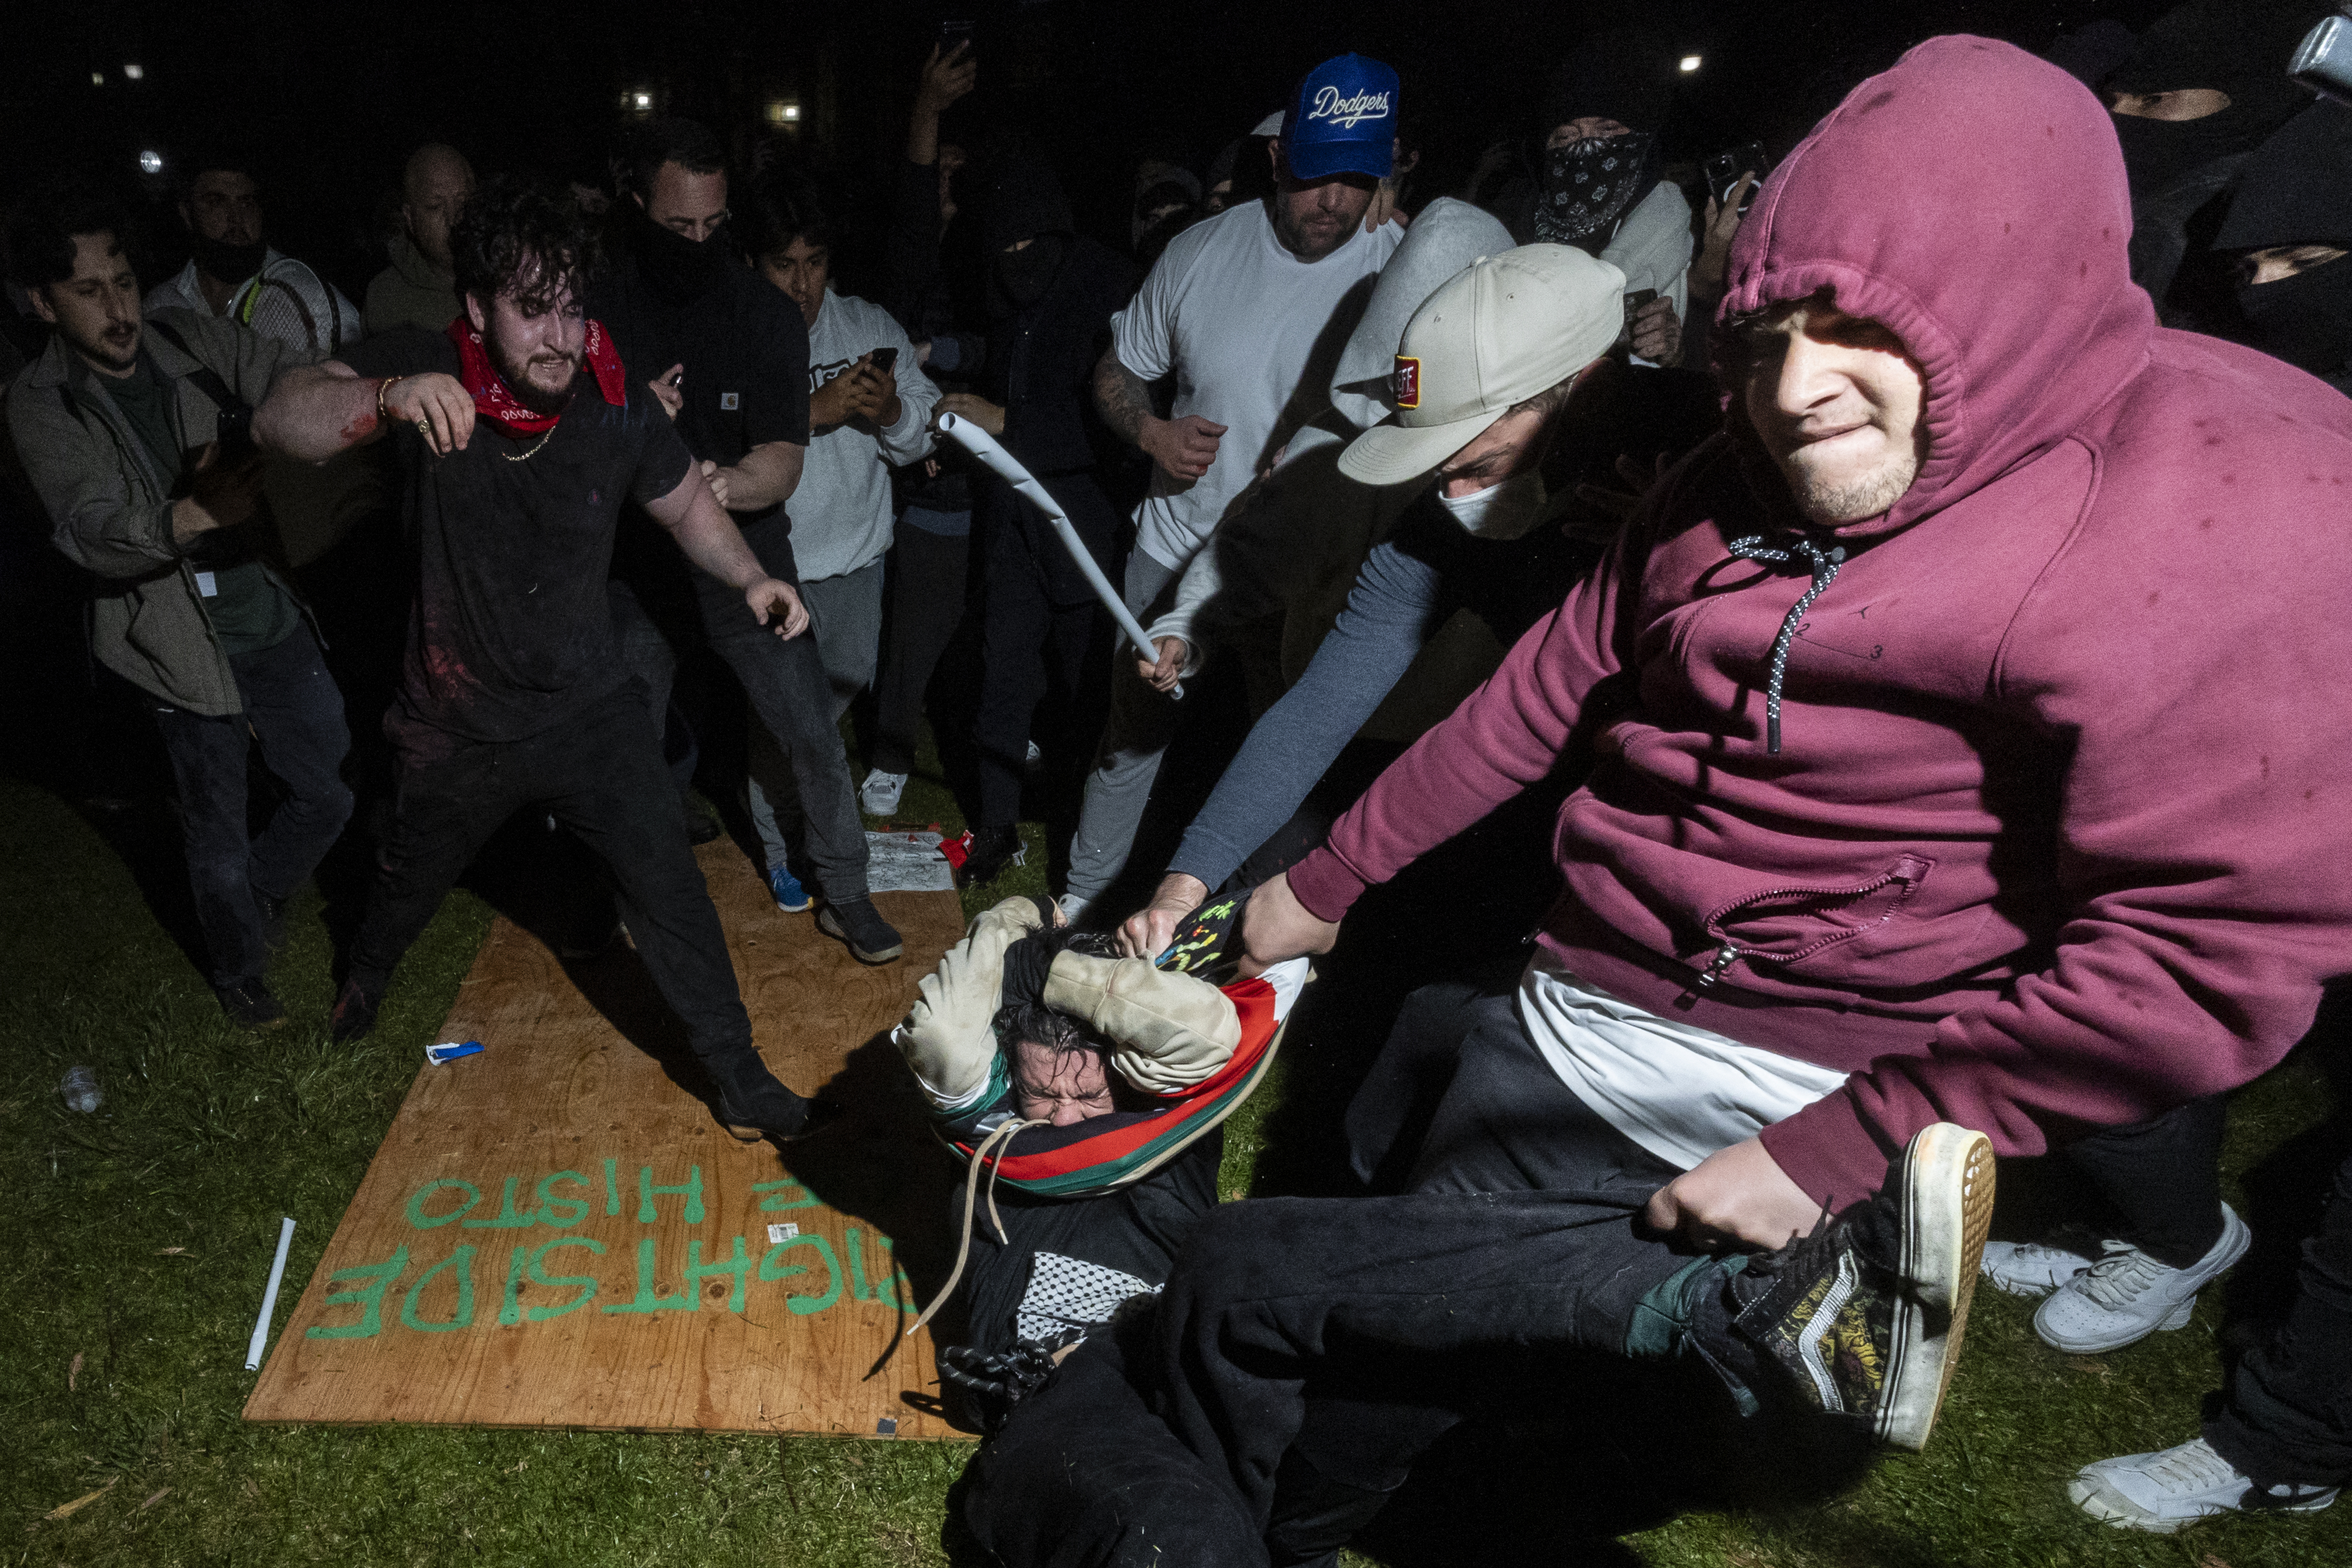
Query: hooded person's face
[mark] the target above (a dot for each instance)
(1837, 400)
(2298, 300)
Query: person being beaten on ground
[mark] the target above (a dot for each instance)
(521, 442)
(1089, 1092)
(1919, 826)
(729, 359)
(131, 435)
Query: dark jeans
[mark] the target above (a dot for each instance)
(293, 709)
(1137, 1230)
(599, 774)
(2286, 1415)
(1315, 1347)
(927, 604)
(785, 685)
(2165, 1175)
(1037, 616)
(1084, 1476)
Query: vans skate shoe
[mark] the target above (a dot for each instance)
(1865, 1317)
(2128, 1295)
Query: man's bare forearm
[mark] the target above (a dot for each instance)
(1123, 397)
(767, 475)
(315, 413)
(708, 534)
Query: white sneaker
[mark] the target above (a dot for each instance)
(879, 794)
(1074, 908)
(2128, 1295)
(2029, 1269)
(2162, 1492)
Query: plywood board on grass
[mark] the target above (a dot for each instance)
(556, 1233)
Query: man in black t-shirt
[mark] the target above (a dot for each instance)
(522, 445)
(733, 354)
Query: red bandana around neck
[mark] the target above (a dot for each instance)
(495, 403)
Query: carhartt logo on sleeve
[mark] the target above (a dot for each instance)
(1347, 110)
(1408, 382)
(731, 400)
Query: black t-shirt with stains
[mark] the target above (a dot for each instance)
(745, 351)
(509, 634)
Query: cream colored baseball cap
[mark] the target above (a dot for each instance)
(1495, 334)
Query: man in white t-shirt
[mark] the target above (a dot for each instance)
(1239, 308)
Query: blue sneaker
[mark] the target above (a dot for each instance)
(790, 896)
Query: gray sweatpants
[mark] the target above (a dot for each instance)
(845, 615)
(1128, 760)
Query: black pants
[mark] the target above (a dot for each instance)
(785, 684)
(1037, 616)
(927, 603)
(2286, 1415)
(293, 709)
(2164, 1176)
(1086, 1476)
(1320, 1345)
(599, 774)
(1137, 1230)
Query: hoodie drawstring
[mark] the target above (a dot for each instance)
(1824, 566)
(997, 1141)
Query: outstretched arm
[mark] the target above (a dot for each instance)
(317, 412)
(712, 542)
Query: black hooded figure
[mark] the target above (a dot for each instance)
(1579, 193)
(2295, 194)
(1051, 295)
(2238, 47)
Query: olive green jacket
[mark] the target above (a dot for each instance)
(110, 508)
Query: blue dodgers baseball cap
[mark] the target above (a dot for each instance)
(1342, 120)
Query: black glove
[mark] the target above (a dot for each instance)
(1026, 964)
(996, 1383)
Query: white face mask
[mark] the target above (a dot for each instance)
(1503, 511)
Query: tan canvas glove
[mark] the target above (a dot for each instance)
(947, 1038)
(1167, 1032)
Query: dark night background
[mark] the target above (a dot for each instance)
(327, 98)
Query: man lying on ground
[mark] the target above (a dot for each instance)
(1089, 1092)
(1960, 766)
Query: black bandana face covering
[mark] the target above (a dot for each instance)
(683, 268)
(1589, 186)
(2305, 320)
(1025, 273)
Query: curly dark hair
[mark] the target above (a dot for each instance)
(524, 239)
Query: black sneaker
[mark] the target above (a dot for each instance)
(871, 939)
(249, 1005)
(273, 919)
(992, 849)
(354, 1014)
(1865, 1316)
(702, 824)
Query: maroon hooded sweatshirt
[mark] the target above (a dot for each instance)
(2059, 835)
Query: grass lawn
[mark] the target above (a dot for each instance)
(137, 1240)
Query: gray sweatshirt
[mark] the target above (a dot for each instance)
(841, 513)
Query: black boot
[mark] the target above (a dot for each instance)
(754, 1105)
(992, 849)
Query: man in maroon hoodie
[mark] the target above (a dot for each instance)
(1969, 747)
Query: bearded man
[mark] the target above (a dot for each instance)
(521, 441)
